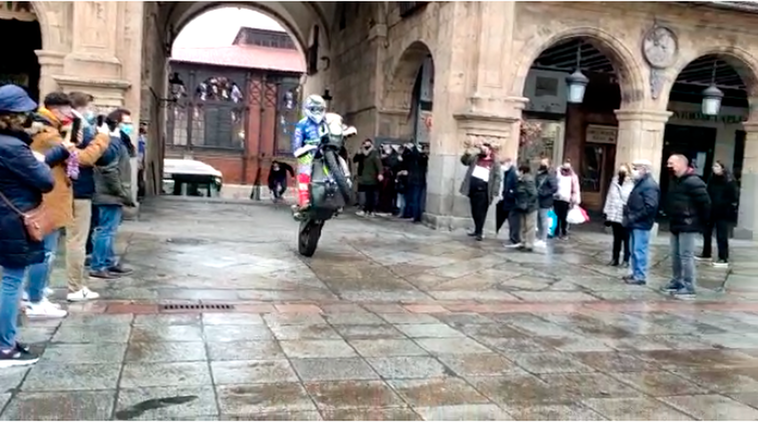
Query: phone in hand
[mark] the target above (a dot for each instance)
(76, 127)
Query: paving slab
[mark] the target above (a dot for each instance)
(58, 406)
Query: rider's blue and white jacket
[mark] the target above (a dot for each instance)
(306, 132)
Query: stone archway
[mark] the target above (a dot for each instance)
(628, 69)
(402, 111)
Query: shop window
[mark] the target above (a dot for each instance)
(592, 168)
(219, 88)
(287, 113)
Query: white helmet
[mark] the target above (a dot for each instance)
(315, 108)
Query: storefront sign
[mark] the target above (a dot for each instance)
(601, 134)
(698, 116)
(19, 10)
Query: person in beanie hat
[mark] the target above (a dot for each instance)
(23, 181)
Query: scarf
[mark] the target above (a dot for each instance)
(72, 163)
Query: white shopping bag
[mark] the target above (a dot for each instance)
(577, 215)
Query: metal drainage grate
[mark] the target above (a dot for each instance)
(197, 307)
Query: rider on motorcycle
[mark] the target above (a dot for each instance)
(308, 132)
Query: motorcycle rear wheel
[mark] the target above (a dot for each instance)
(308, 237)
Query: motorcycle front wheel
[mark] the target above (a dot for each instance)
(333, 164)
(308, 237)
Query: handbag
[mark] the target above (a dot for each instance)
(38, 222)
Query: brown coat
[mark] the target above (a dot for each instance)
(60, 201)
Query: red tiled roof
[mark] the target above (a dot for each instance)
(247, 56)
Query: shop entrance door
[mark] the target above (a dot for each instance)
(695, 143)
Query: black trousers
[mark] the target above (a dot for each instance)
(370, 192)
(722, 239)
(561, 212)
(479, 204)
(620, 236)
(514, 227)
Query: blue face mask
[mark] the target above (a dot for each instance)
(127, 128)
(90, 117)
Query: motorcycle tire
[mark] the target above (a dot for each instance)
(308, 237)
(339, 176)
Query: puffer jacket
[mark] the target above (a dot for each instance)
(547, 187)
(642, 204)
(113, 178)
(723, 193)
(527, 200)
(23, 181)
(615, 201)
(688, 205)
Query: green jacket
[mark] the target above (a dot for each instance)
(527, 199)
(113, 181)
(371, 168)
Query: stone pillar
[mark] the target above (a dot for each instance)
(747, 220)
(94, 42)
(50, 63)
(640, 137)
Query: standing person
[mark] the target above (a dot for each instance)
(401, 181)
(112, 192)
(141, 145)
(369, 176)
(722, 190)
(23, 181)
(414, 163)
(90, 149)
(567, 197)
(51, 123)
(387, 193)
(618, 195)
(481, 183)
(688, 207)
(639, 218)
(527, 204)
(277, 178)
(547, 187)
(510, 183)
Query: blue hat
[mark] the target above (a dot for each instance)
(14, 99)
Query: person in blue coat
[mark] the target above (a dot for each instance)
(24, 177)
(639, 218)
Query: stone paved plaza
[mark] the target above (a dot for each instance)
(388, 321)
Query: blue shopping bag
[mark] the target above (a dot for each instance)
(552, 222)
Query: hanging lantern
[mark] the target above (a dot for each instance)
(577, 85)
(712, 97)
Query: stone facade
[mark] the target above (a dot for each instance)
(482, 52)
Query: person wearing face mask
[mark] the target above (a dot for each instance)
(481, 184)
(618, 194)
(50, 131)
(723, 193)
(567, 196)
(112, 192)
(90, 148)
(387, 189)
(547, 187)
(369, 176)
(639, 218)
(23, 182)
(688, 207)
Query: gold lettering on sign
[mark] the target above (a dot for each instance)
(18, 10)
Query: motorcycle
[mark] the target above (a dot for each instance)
(330, 188)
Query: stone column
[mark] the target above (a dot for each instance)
(50, 63)
(747, 220)
(640, 136)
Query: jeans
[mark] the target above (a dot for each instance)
(413, 202)
(13, 279)
(722, 239)
(104, 238)
(561, 212)
(542, 224)
(640, 246)
(620, 237)
(39, 274)
(400, 204)
(683, 260)
(479, 205)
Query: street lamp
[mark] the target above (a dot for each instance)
(176, 86)
(712, 96)
(577, 82)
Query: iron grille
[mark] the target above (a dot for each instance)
(197, 306)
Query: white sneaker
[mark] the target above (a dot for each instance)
(513, 245)
(45, 309)
(540, 244)
(82, 295)
(48, 292)
(361, 213)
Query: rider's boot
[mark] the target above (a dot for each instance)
(303, 196)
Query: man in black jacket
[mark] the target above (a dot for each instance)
(639, 218)
(277, 178)
(510, 183)
(688, 207)
(547, 186)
